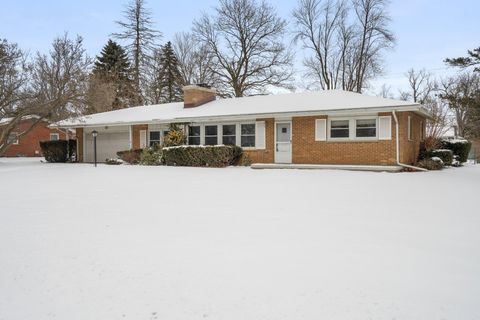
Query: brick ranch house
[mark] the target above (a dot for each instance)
(324, 127)
(28, 145)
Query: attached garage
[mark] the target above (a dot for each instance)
(110, 140)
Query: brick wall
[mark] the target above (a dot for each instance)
(29, 144)
(266, 155)
(79, 135)
(305, 150)
(136, 134)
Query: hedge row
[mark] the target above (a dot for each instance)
(59, 150)
(202, 156)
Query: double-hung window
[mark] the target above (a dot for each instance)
(339, 129)
(54, 136)
(229, 136)
(211, 135)
(194, 135)
(366, 128)
(154, 138)
(248, 135)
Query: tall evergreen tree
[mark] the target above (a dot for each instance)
(112, 69)
(137, 29)
(112, 63)
(170, 74)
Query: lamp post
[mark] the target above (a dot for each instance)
(94, 135)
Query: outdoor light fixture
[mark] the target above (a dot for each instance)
(94, 135)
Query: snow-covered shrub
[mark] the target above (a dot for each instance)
(130, 156)
(456, 162)
(174, 137)
(202, 156)
(58, 150)
(434, 163)
(151, 156)
(444, 154)
(460, 147)
(112, 161)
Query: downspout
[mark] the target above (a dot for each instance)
(397, 144)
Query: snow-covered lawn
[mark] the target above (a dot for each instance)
(131, 242)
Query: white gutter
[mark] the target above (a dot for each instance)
(397, 142)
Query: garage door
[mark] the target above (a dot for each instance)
(108, 144)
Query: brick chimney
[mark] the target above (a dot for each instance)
(196, 95)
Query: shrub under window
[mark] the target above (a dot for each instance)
(366, 128)
(339, 129)
(248, 135)
(229, 134)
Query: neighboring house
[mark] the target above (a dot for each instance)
(28, 145)
(325, 127)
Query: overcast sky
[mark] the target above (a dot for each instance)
(427, 31)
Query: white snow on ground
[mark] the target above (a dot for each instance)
(131, 242)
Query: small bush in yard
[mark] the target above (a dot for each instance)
(460, 147)
(202, 156)
(151, 156)
(434, 163)
(130, 156)
(114, 162)
(444, 154)
(58, 150)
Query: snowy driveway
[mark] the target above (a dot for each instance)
(131, 242)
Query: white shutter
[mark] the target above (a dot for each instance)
(385, 128)
(260, 135)
(143, 139)
(320, 129)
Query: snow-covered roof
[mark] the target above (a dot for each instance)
(7, 120)
(320, 102)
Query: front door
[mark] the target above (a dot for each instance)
(283, 142)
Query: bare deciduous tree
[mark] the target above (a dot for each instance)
(246, 39)
(346, 38)
(462, 94)
(424, 90)
(196, 63)
(14, 91)
(60, 78)
(101, 94)
(53, 88)
(138, 30)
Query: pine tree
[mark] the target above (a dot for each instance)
(112, 63)
(137, 29)
(112, 67)
(170, 75)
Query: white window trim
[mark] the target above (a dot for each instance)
(54, 134)
(366, 138)
(352, 128)
(254, 135)
(205, 132)
(238, 132)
